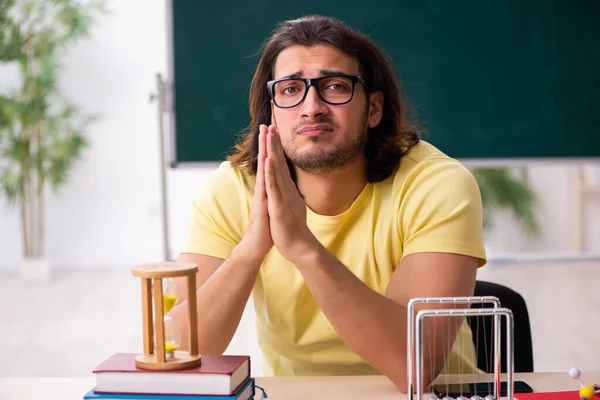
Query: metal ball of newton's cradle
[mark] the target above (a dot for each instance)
(475, 397)
(488, 397)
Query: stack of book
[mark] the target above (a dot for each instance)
(225, 377)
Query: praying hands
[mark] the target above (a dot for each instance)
(278, 212)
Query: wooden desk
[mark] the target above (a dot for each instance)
(280, 388)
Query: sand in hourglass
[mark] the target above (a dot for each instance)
(172, 334)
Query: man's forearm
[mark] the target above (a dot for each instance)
(373, 325)
(221, 301)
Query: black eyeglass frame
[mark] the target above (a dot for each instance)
(308, 82)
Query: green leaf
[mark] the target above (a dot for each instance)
(502, 189)
(12, 184)
(9, 43)
(8, 112)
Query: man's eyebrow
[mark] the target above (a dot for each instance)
(297, 74)
(328, 72)
(322, 72)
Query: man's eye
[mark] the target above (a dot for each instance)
(290, 90)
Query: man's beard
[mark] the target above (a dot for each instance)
(336, 156)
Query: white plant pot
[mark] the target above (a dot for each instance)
(35, 269)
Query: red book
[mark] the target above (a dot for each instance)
(217, 375)
(570, 395)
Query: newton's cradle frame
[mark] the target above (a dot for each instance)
(415, 339)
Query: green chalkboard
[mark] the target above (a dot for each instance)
(489, 78)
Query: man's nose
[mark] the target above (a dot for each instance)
(313, 106)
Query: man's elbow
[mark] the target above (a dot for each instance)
(397, 374)
(399, 377)
(400, 383)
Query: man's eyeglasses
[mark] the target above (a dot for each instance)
(332, 89)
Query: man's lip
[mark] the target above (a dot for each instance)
(314, 128)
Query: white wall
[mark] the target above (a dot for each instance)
(108, 216)
(556, 215)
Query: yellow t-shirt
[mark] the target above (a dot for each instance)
(431, 203)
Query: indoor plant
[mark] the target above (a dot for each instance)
(41, 132)
(502, 189)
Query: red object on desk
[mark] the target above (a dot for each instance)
(570, 395)
(218, 375)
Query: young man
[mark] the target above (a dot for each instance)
(334, 214)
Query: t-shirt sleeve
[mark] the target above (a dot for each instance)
(441, 211)
(218, 215)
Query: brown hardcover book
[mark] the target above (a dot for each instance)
(218, 375)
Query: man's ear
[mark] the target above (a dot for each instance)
(375, 108)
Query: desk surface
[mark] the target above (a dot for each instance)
(279, 388)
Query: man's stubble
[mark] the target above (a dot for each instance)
(333, 157)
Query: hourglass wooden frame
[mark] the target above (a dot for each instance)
(415, 338)
(155, 355)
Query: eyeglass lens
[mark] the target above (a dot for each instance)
(333, 90)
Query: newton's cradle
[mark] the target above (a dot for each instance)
(415, 341)
(415, 349)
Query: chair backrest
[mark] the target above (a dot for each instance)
(483, 333)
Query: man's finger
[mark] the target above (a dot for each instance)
(280, 168)
(259, 187)
(272, 188)
(262, 133)
(285, 172)
(279, 143)
(271, 150)
(260, 177)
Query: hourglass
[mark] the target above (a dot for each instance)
(162, 338)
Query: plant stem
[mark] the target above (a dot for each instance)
(40, 194)
(31, 216)
(25, 158)
(24, 229)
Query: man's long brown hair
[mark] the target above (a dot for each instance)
(385, 144)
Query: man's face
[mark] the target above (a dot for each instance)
(319, 137)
